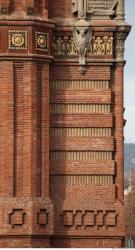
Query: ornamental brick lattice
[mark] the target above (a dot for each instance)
(61, 123)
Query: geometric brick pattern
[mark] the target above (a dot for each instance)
(17, 218)
(42, 218)
(90, 218)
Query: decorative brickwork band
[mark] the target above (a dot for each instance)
(80, 155)
(80, 108)
(81, 180)
(80, 132)
(79, 85)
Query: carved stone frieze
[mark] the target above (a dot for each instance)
(65, 46)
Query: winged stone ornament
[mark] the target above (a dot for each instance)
(82, 34)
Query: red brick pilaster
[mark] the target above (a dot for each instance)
(119, 128)
(6, 129)
(26, 208)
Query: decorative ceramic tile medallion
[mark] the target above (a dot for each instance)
(18, 39)
(42, 41)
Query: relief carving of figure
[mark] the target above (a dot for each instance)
(82, 34)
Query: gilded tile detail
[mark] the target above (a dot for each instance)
(42, 41)
(17, 39)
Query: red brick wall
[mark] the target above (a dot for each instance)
(60, 9)
(61, 135)
(74, 200)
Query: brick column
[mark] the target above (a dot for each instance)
(26, 208)
(6, 128)
(24, 154)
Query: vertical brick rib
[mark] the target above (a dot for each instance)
(39, 130)
(119, 131)
(46, 4)
(18, 129)
(19, 4)
(45, 132)
(28, 171)
(6, 128)
(4, 3)
(41, 7)
(32, 129)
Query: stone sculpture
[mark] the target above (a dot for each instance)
(82, 34)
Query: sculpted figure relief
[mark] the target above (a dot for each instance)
(82, 34)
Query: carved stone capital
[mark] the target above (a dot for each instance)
(120, 45)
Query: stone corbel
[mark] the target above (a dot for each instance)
(82, 34)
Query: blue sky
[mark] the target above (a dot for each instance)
(130, 74)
